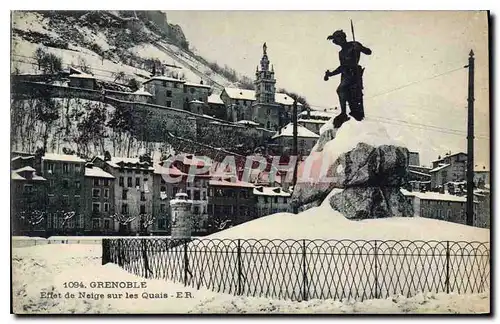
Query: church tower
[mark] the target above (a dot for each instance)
(265, 83)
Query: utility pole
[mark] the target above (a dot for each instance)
(294, 148)
(470, 143)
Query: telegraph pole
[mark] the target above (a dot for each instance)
(470, 143)
(294, 147)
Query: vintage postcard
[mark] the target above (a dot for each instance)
(250, 162)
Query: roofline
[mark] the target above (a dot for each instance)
(172, 79)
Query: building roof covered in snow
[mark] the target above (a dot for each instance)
(312, 121)
(62, 157)
(143, 92)
(170, 170)
(439, 168)
(96, 172)
(303, 132)
(199, 85)
(164, 78)
(271, 191)
(247, 122)
(115, 162)
(316, 113)
(449, 155)
(429, 195)
(21, 174)
(420, 173)
(230, 182)
(215, 99)
(244, 94)
(20, 157)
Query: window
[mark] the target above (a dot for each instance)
(106, 193)
(106, 207)
(129, 182)
(96, 182)
(161, 223)
(78, 168)
(185, 90)
(124, 209)
(169, 93)
(175, 190)
(204, 195)
(96, 223)
(169, 103)
(143, 196)
(77, 184)
(196, 210)
(106, 182)
(196, 195)
(200, 99)
(162, 208)
(106, 223)
(120, 181)
(189, 194)
(142, 209)
(96, 193)
(96, 207)
(163, 189)
(65, 167)
(276, 199)
(28, 188)
(124, 194)
(137, 182)
(65, 184)
(265, 200)
(51, 167)
(192, 90)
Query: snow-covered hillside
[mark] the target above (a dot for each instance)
(105, 47)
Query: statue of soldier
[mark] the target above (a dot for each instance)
(351, 81)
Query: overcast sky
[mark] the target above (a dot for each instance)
(407, 47)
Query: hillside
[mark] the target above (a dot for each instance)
(107, 43)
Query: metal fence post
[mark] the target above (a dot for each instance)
(238, 255)
(447, 267)
(105, 252)
(186, 263)
(376, 270)
(304, 270)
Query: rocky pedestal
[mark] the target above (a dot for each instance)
(370, 175)
(182, 222)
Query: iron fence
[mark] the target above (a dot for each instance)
(307, 269)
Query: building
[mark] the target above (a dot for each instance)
(442, 206)
(231, 202)
(313, 120)
(166, 91)
(264, 106)
(28, 196)
(179, 94)
(65, 175)
(99, 199)
(163, 192)
(482, 216)
(82, 80)
(271, 200)
(132, 189)
(414, 158)
(216, 107)
(481, 176)
(450, 168)
(305, 140)
(143, 96)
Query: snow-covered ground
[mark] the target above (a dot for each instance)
(45, 269)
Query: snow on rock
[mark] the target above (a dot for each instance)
(361, 154)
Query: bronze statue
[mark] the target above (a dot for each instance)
(350, 89)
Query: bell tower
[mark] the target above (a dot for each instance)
(265, 83)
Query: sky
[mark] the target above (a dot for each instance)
(409, 48)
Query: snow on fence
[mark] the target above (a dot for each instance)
(308, 269)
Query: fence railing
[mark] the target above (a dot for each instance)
(307, 269)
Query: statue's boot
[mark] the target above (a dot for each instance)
(339, 120)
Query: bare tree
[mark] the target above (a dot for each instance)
(123, 220)
(65, 217)
(146, 221)
(32, 218)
